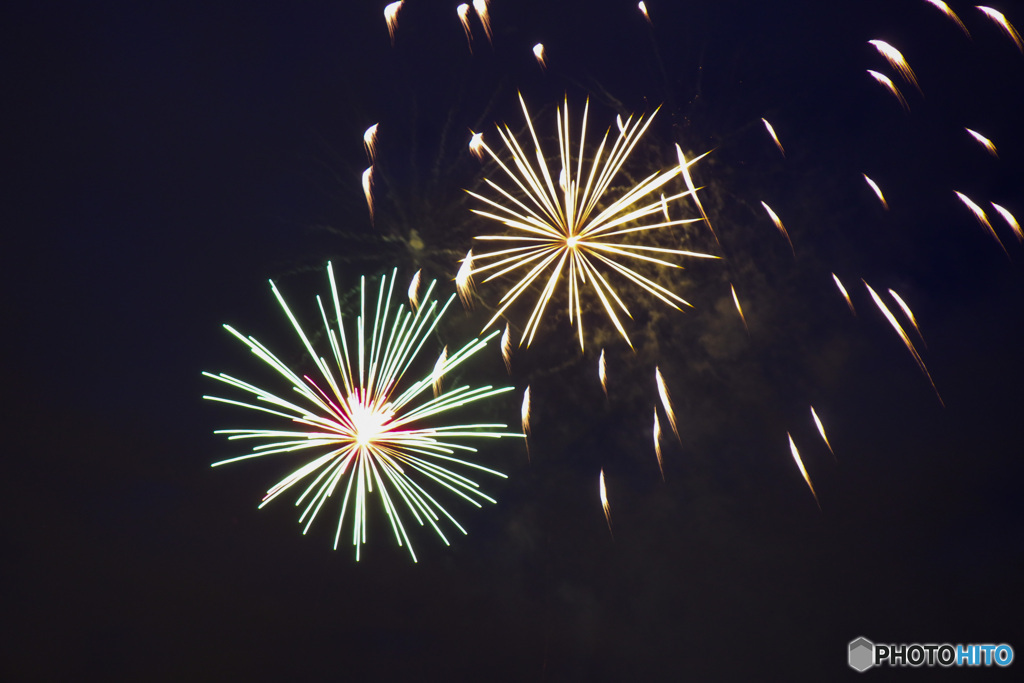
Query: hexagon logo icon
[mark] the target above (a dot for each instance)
(862, 654)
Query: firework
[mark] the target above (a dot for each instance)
(368, 189)
(538, 52)
(506, 348)
(666, 402)
(602, 373)
(944, 8)
(877, 190)
(643, 8)
(561, 231)
(982, 219)
(603, 492)
(909, 313)
(370, 143)
(391, 18)
(896, 61)
(364, 425)
(984, 141)
(485, 18)
(657, 443)
(525, 414)
(463, 12)
(414, 291)
(771, 131)
(1007, 27)
(803, 471)
(464, 280)
(845, 294)
(891, 87)
(1010, 220)
(739, 309)
(821, 430)
(778, 224)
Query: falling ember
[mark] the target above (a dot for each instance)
(684, 168)
(982, 218)
(463, 11)
(619, 123)
(821, 430)
(391, 17)
(896, 61)
(526, 411)
(643, 8)
(506, 349)
(602, 373)
(464, 280)
(844, 293)
(739, 309)
(884, 80)
(949, 13)
(414, 291)
(985, 142)
(909, 313)
(1010, 220)
(878, 191)
(485, 18)
(368, 189)
(665, 401)
(657, 443)
(604, 500)
(1000, 19)
(476, 145)
(370, 142)
(903, 335)
(538, 52)
(439, 368)
(803, 471)
(771, 131)
(778, 224)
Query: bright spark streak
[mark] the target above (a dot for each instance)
(657, 443)
(643, 8)
(464, 280)
(391, 17)
(844, 293)
(771, 131)
(666, 402)
(439, 370)
(949, 13)
(803, 471)
(884, 80)
(903, 335)
(908, 313)
(414, 291)
(603, 491)
(485, 18)
(877, 190)
(821, 430)
(979, 214)
(476, 145)
(739, 309)
(368, 189)
(684, 169)
(619, 123)
(506, 348)
(1010, 220)
(526, 411)
(1000, 19)
(556, 231)
(896, 61)
(370, 143)
(602, 373)
(367, 427)
(538, 52)
(985, 142)
(778, 224)
(463, 12)
(664, 207)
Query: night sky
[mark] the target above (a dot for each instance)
(164, 160)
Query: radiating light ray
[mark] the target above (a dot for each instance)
(845, 294)
(657, 443)
(778, 224)
(439, 370)
(368, 189)
(984, 141)
(463, 12)
(982, 219)
(364, 424)
(739, 309)
(618, 122)
(414, 291)
(896, 61)
(664, 207)
(1004, 24)
(666, 402)
(803, 471)
(538, 53)
(391, 18)
(525, 413)
(370, 143)
(771, 131)
(684, 169)
(944, 8)
(506, 348)
(1010, 220)
(602, 373)
(643, 8)
(909, 314)
(821, 430)
(464, 281)
(891, 87)
(559, 230)
(903, 335)
(485, 18)
(877, 190)
(603, 492)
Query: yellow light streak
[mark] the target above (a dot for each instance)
(821, 430)
(538, 52)
(803, 471)
(908, 313)
(739, 309)
(666, 402)
(414, 291)
(603, 491)
(657, 443)
(368, 189)
(887, 82)
(463, 12)
(944, 8)
(1010, 220)
(370, 143)
(877, 190)
(778, 224)
(1004, 24)
(979, 214)
(984, 141)
(771, 131)
(845, 294)
(896, 61)
(485, 18)
(391, 18)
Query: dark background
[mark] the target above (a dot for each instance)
(164, 159)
